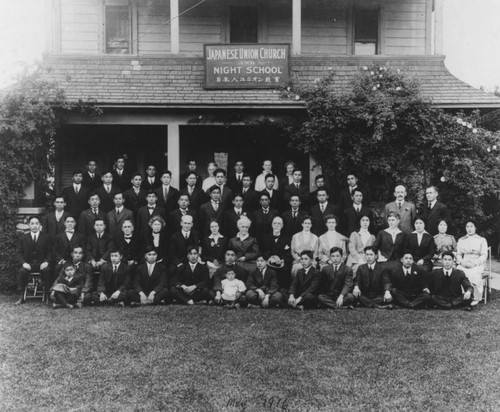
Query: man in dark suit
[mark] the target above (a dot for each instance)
(196, 195)
(65, 242)
(293, 217)
(446, 286)
(213, 209)
(151, 182)
(405, 210)
(121, 178)
(149, 281)
(345, 196)
(263, 218)
(114, 281)
(180, 241)
(76, 195)
(226, 194)
(297, 188)
(408, 284)
(303, 293)
(129, 244)
(98, 245)
(91, 179)
(220, 274)
(235, 179)
(88, 217)
(231, 217)
(337, 285)
(191, 280)
(118, 215)
(107, 192)
(354, 212)
(34, 255)
(319, 182)
(175, 217)
(167, 195)
(53, 222)
(191, 168)
(145, 213)
(275, 196)
(135, 197)
(372, 284)
(250, 196)
(320, 210)
(434, 211)
(262, 286)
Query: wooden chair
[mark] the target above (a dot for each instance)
(487, 278)
(34, 289)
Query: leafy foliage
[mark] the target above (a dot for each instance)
(384, 129)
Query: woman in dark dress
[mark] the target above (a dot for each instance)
(422, 246)
(390, 242)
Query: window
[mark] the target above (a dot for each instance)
(243, 22)
(118, 28)
(366, 31)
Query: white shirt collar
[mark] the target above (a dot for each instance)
(242, 238)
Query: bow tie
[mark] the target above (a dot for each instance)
(70, 231)
(128, 237)
(151, 207)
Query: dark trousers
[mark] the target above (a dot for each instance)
(182, 297)
(309, 301)
(65, 298)
(23, 277)
(242, 301)
(371, 302)
(329, 300)
(410, 300)
(450, 302)
(95, 298)
(274, 300)
(163, 294)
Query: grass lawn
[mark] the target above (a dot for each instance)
(209, 359)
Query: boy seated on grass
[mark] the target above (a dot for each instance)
(67, 287)
(262, 285)
(114, 281)
(304, 288)
(233, 289)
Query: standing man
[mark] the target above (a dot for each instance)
(297, 188)
(213, 209)
(90, 215)
(91, 179)
(135, 197)
(121, 178)
(167, 195)
(76, 195)
(210, 180)
(275, 197)
(151, 182)
(260, 182)
(226, 194)
(235, 180)
(191, 168)
(147, 212)
(196, 195)
(98, 245)
(435, 211)
(318, 212)
(175, 217)
(405, 209)
(293, 217)
(319, 182)
(66, 241)
(354, 212)
(118, 215)
(231, 217)
(263, 218)
(336, 290)
(345, 196)
(107, 191)
(250, 196)
(53, 222)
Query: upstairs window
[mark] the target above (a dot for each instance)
(118, 29)
(243, 24)
(366, 33)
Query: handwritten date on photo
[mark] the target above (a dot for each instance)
(262, 401)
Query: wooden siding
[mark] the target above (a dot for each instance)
(79, 26)
(153, 27)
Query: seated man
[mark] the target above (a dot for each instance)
(262, 286)
(128, 244)
(408, 284)
(372, 284)
(336, 290)
(98, 245)
(446, 283)
(180, 241)
(304, 288)
(191, 280)
(114, 281)
(34, 255)
(220, 275)
(149, 281)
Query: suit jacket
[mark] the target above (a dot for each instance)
(207, 213)
(87, 219)
(412, 284)
(29, 252)
(156, 282)
(91, 183)
(268, 282)
(276, 201)
(313, 197)
(130, 251)
(171, 202)
(133, 201)
(304, 284)
(248, 248)
(109, 283)
(377, 285)
(174, 220)
(433, 216)
(78, 281)
(220, 275)
(86, 271)
(250, 200)
(98, 248)
(437, 285)
(407, 214)
(389, 249)
(426, 250)
(345, 198)
(150, 187)
(226, 197)
(277, 246)
(142, 220)
(211, 250)
(229, 224)
(115, 221)
(196, 199)
(63, 246)
(262, 223)
(292, 225)
(352, 217)
(183, 183)
(233, 183)
(318, 218)
(302, 192)
(107, 203)
(340, 283)
(51, 226)
(123, 181)
(76, 204)
(185, 276)
(177, 251)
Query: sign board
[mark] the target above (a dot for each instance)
(246, 66)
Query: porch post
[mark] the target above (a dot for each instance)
(438, 27)
(314, 170)
(174, 26)
(173, 150)
(296, 27)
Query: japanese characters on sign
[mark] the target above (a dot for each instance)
(246, 66)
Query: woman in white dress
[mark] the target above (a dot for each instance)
(304, 240)
(472, 253)
(330, 239)
(357, 243)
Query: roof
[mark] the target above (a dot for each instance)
(178, 81)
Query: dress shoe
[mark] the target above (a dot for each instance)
(19, 302)
(57, 306)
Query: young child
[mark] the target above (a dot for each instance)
(67, 287)
(233, 291)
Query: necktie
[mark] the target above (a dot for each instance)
(108, 189)
(429, 205)
(185, 235)
(117, 212)
(165, 193)
(216, 206)
(77, 190)
(294, 215)
(239, 178)
(115, 268)
(297, 186)
(370, 280)
(35, 238)
(335, 269)
(151, 181)
(238, 213)
(190, 190)
(94, 211)
(322, 208)
(399, 205)
(150, 270)
(357, 209)
(244, 190)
